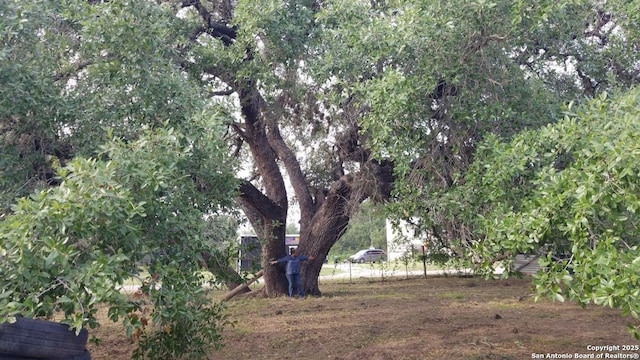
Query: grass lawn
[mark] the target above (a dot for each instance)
(398, 318)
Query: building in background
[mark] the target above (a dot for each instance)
(402, 240)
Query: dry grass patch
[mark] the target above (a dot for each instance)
(435, 318)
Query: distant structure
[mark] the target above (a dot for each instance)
(526, 264)
(402, 240)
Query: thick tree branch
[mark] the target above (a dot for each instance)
(251, 197)
(216, 29)
(226, 92)
(296, 176)
(255, 131)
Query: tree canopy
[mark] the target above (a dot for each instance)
(568, 192)
(325, 104)
(112, 160)
(515, 156)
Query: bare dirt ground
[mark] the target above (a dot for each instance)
(417, 318)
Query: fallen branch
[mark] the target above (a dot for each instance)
(242, 287)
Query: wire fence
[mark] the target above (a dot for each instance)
(347, 272)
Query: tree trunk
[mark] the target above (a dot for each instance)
(275, 280)
(324, 229)
(375, 180)
(266, 208)
(266, 219)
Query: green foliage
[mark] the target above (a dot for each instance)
(69, 249)
(70, 70)
(130, 48)
(569, 191)
(53, 257)
(477, 163)
(29, 97)
(388, 60)
(221, 230)
(399, 52)
(366, 229)
(186, 324)
(75, 73)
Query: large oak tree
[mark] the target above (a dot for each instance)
(347, 97)
(335, 101)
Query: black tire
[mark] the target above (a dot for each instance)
(41, 339)
(84, 356)
(14, 357)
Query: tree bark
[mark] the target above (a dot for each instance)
(266, 209)
(324, 229)
(264, 216)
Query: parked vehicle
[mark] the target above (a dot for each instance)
(367, 255)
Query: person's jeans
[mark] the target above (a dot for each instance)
(294, 280)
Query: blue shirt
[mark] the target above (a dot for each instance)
(293, 263)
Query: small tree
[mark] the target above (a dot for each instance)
(69, 249)
(569, 192)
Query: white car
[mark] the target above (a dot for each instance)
(367, 255)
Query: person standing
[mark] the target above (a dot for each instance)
(293, 270)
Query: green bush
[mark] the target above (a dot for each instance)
(68, 249)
